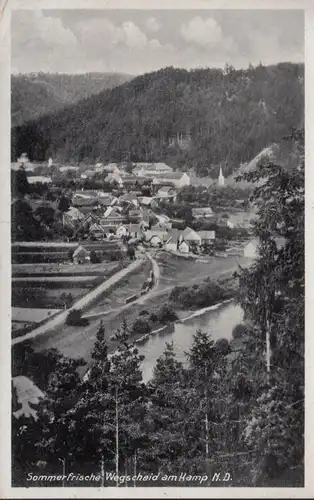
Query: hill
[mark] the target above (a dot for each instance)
(37, 94)
(192, 119)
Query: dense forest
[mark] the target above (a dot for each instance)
(235, 407)
(37, 94)
(191, 119)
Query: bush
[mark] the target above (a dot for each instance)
(205, 294)
(166, 314)
(74, 318)
(141, 325)
(143, 312)
(239, 331)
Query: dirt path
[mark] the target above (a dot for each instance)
(140, 300)
(81, 303)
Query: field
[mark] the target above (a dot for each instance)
(41, 285)
(55, 269)
(176, 271)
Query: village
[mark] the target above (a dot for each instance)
(130, 211)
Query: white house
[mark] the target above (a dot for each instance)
(251, 249)
(42, 179)
(190, 236)
(81, 255)
(184, 246)
(144, 169)
(121, 231)
(172, 242)
(177, 179)
(207, 236)
(202, 213)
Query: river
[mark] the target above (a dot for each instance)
(218, 321)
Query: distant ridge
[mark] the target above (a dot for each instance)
(224, 118)
(37, 94)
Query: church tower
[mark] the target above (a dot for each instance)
(221, 179)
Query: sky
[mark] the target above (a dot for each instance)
(139, 41)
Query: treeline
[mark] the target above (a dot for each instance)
(227, 116)
(233, 406)
(36, 94)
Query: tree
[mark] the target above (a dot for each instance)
(74, 318)
(45, 215)
(272, 296)
(64, 204)
(58, 415)
(19, 182)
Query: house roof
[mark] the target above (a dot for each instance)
(190, 234)
(80, 250)
(39, 178)
(96, 227)
(74, 212)
(173, 236)
(166, 189)
(145, 200)
(202, 210)
(207, 235)
(134, 228)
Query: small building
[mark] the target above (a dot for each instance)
(166, 192)
(42, 179)
(81, 255)
(135, 231)
(172, 243)
(122, 231)
(184, 246)
(142, 169)
(88, 174)
(251, 249)
(202, 213)
(177, 179)
(191, 236)
(96, 231)
(207, 236)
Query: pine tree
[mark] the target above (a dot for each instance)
(272, 295)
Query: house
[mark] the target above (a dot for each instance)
(166, 192)
(122, 231)
(207, 236)
(251, 250)
(143, 169)
(184, 246)
(81, 255)
(42, 179)
(191, 237)
(135, 216)
(202, 213)
(104, 200)
(145, 201)
(156, 236)
(113, 177)
(96, 231)
(135, 231)
(69, 168)
(177, 179)
(172, 243)
(88, 174)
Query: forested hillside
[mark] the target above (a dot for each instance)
(219, 116)
(37, 94)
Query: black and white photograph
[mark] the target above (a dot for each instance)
(157, 248)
